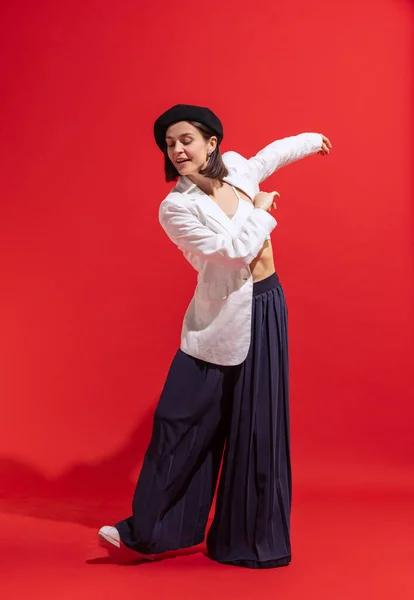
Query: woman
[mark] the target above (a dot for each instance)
(227, 388)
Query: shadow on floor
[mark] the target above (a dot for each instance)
(89, 494)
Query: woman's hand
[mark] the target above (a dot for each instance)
(265, 200)
(326, 145)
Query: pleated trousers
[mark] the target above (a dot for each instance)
(210, 413)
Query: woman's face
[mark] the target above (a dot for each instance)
(187, 149)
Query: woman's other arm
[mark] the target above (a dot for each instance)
(286, 151)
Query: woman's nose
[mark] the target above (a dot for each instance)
(178, 148)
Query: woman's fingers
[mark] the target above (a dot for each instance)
(324, 150)
(326, 145)
(326, 141)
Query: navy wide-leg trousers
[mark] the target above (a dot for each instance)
(205, 410)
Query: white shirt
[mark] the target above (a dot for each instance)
(243, 211)
(217, 323)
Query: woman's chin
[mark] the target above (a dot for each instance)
(186, 168)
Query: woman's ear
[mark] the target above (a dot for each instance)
(212, 145)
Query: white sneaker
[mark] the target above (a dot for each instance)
(110, 535)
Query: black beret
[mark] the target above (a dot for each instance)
(186, 112)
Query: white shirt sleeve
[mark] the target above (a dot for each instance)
(187, 232)
(283, 152)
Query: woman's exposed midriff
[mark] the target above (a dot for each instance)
(263, 265)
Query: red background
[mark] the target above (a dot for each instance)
(93, 292)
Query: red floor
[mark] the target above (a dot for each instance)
(348, 543)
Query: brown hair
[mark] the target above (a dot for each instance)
(216, 169)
